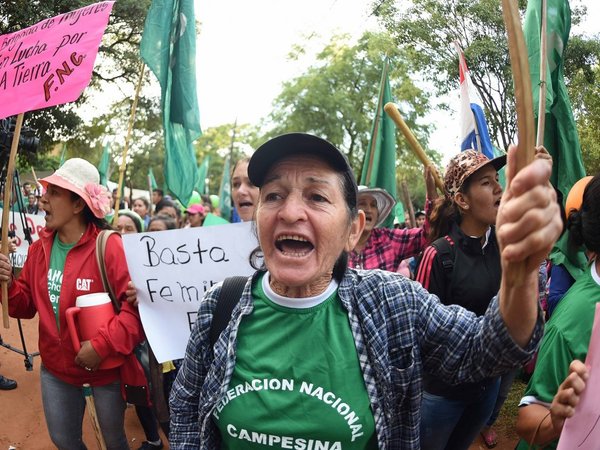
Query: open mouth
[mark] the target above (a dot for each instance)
(293, 245)
(246, 204)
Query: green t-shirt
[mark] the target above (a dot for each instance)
(566, 337)
(58, 256)
(297, 382)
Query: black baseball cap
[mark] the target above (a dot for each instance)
(290, 144)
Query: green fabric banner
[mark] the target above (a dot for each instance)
(202, 186)
(560, 134)
(225, 192)
(168, 47)
(104, 166)
(153, 184)
(379, 166)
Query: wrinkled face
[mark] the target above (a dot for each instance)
(368, 204)
(140, 207)
(303, 222)
(157, 225)
(60, 207)
(126, 225)
(483, 195)
(244, 193)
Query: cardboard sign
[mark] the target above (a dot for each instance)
(35, 223)
(51, 62)
(172, 270)
(582, 431)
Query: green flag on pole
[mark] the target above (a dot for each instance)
(104, 166)
(62, 154)
(560, 134)
(379, 166)
(151, 179)
(225, 192)
(168, 47)
(202, 172)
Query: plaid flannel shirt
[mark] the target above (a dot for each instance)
(387, 247)
(399, 330)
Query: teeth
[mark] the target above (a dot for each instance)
(291, 237)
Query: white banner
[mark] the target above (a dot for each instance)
(172, 270)
(34, 222)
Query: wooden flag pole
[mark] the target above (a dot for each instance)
(542, 92)
(126, 146)
(526, 133)
(392, 110)
(10, 170)
(91, 406)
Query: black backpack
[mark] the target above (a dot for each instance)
(230, 294)
(445, 249)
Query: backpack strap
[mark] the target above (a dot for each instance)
(447, 254)
(230, 295)
(101, 242)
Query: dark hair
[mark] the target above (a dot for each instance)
(444, 213)
(584, 224)
(207, 202)
(165, 203)
(167, 220)
(88, 215)
(158, 191)
(349, 189)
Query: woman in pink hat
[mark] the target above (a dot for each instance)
(61, 266)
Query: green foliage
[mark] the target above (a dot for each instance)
(585, 97)
(430, 27)
(336, 98)
(228, 140)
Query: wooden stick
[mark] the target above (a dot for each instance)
(126, 146)
(91, 406)
(392, 110)
(524, 103)
(542, 92)
(6, 209)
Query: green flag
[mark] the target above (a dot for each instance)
(151, 179)
(560, 133)
(104, 165)
(168, 47)
(225, 192)
(62, 154)
(202, 172)
(379, 166)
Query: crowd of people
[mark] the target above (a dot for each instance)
(349, 334)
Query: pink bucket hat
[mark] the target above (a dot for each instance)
(81, 177)
(465, 164)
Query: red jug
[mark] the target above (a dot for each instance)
(91, 312)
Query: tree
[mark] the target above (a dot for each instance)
(585, 97)
(336, 98)
(429, 28)
(233, 140)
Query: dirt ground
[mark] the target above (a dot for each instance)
(22, 424)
